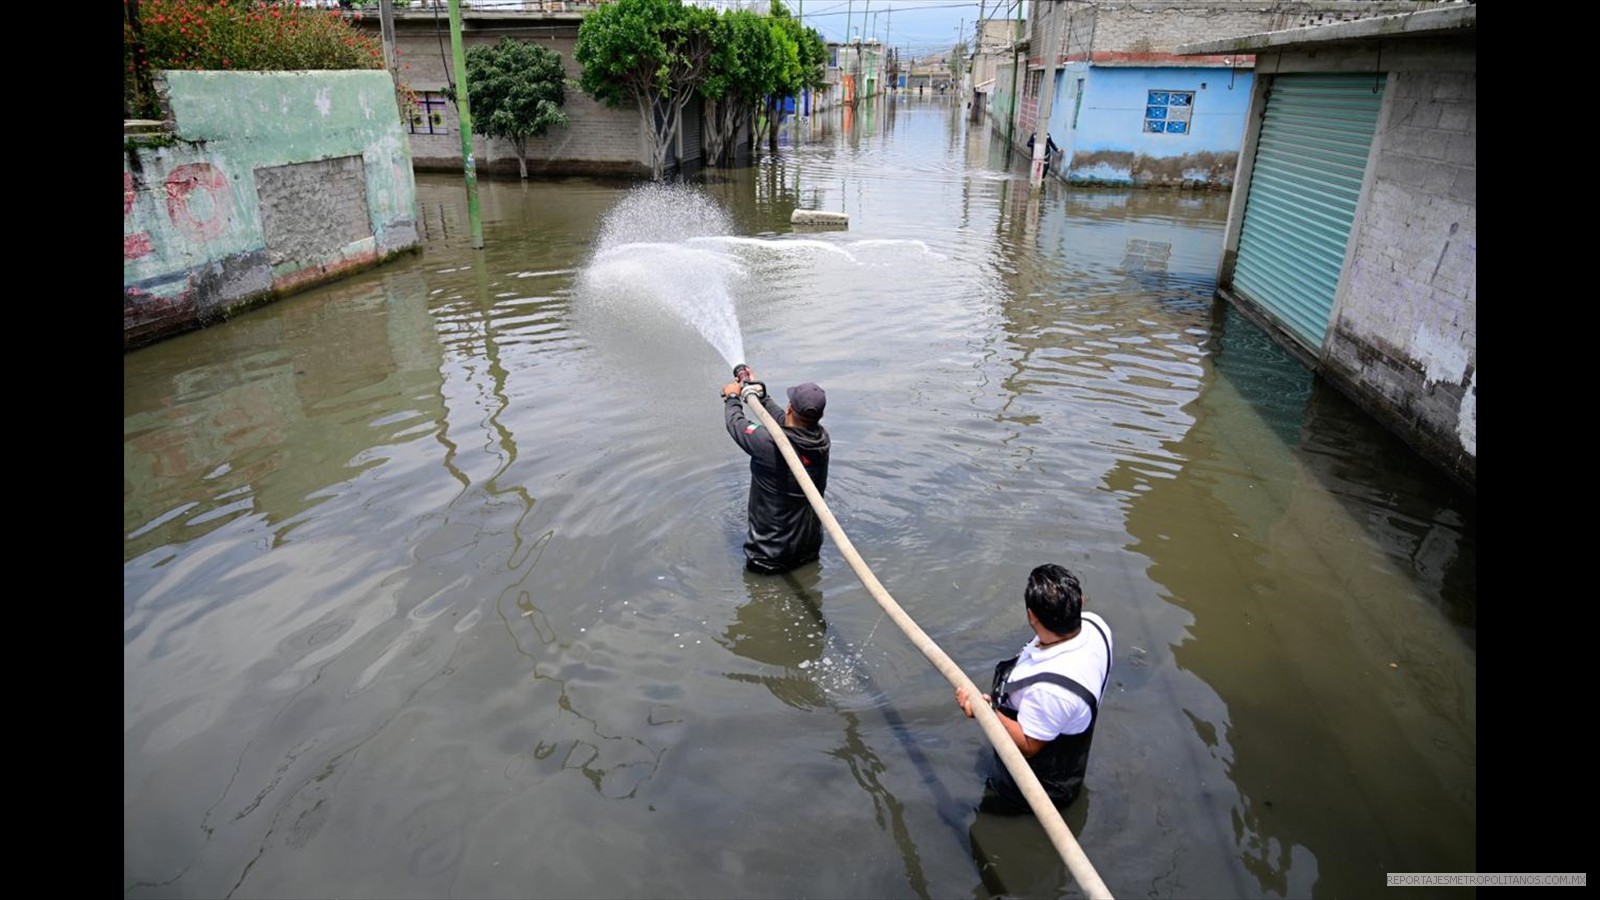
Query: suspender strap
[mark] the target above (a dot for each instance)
(1083, 693)
(1107, 641)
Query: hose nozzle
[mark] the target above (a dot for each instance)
(748, 386)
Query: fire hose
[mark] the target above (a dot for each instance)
(1055, 827)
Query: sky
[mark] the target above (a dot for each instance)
(919, 27)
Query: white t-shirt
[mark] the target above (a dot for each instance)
(1047, 710)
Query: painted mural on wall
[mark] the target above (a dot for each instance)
(216, 213)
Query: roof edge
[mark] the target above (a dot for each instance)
(1422, 23)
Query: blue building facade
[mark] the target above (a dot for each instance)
(1150, 126)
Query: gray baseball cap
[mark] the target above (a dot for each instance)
(808, 400)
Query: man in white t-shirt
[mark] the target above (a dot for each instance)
(1048, 696)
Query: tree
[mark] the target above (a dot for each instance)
(803, 54)
(746, 64)
(518, 89)
(956, 56)
(654, 53)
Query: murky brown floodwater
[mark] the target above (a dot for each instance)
(432, 579)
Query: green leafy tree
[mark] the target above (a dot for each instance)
(518, 89)
(803, 54)
(956, 56)
(652, 53)
(746, 65)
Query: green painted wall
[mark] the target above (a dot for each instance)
(194, 244)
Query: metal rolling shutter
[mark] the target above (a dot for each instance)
(691, 127)
(1307, 178)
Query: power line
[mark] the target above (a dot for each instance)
(449, 78)
(969, 3)
(824, 10)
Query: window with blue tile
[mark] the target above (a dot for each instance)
(1168, 112)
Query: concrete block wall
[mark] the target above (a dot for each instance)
(1079, 29)
(1117, 37)
(597, 139)
(984, 68)
(1142, 27)
(994, 36)
(197, 199)
(1001, 98)
(311, 210)
(1076, 28)
(1405, 316)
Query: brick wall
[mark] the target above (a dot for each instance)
(1028, 105)
(1405, 324)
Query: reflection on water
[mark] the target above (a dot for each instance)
(1015, 858)
(1346, 710)
(432, 579)
(782, 627)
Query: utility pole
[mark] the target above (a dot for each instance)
(861, 47)
(801, 17)
(1011, 120)
(392, 63)
(386, 28)
(955, 69)
(1047, 93)
(464, 111)
(849, 13)
(878, 71)
(978, 47)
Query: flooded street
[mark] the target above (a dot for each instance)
(433, 582)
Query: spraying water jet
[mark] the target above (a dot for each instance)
(644, 255)
(652, 258)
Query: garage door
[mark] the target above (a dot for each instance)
(1309, 164)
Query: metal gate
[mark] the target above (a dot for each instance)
(1309, 165)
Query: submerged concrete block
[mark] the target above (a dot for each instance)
(819, 217)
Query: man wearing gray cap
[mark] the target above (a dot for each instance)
(784, 530)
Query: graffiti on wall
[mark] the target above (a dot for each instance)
(198, 203)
